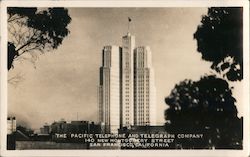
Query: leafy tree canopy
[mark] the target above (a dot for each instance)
(205, 106)
(220, 37)
(33, 29)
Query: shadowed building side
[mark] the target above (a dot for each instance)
(109, 90)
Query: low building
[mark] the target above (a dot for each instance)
(11, 125)
(74, 127)
(45, 129)
(61, 131)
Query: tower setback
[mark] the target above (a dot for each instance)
(126, 88)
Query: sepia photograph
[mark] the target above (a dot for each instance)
(126, 77)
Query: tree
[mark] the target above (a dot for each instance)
(33, 30)
(208, 107)
(219, 39)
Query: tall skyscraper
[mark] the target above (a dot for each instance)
(144, 88)
(128, 45)
(126, 89)
(109, 89)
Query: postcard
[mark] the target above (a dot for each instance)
(124, 78)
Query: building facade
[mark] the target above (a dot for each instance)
(127, 75)
(109, 89)
(126, 90)
(11, 125)
(45, 129)
(73, 127)
(144, 88)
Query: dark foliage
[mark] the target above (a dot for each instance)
(21, 12)
(207, 107)
(45, 29)
(219, 36)
(52, 23)
(12, 53)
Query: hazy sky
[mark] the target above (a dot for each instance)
(65, 81)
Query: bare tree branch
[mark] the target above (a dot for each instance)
(14, 80)
(14, 19)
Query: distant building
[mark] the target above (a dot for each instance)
(45, 129)
(11, 125)
(79, 127)
(59, 127)
(62, 127)
(11, 129)
(94, 128)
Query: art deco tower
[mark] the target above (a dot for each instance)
(144, 88)
(109, 90)
(127, 77)
(126, 89)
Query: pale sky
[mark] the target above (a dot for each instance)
(64, 82)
